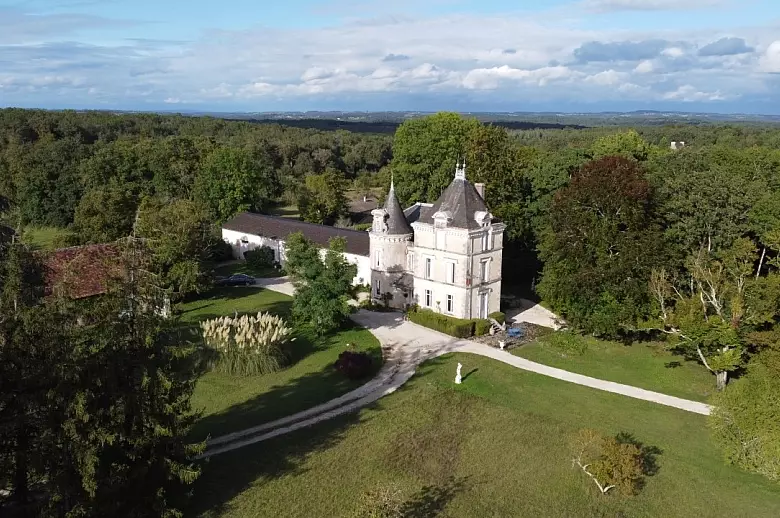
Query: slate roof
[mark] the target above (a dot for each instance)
(81, 271)
(417, 211)
(396, 219)
(276, 227)
(461, 200)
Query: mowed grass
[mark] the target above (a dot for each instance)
(645, 365)
(495, 446)
(43, 238)
(285, 211)
(231, 403)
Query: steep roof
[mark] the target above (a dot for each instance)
(461, 200)
(81, 271)
(396, 219)
(417, 211)
(276, 227)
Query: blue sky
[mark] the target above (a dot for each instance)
(494, 55)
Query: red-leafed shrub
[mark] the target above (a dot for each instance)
(354, 365)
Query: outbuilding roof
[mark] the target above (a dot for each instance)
(81, 271)
(275, 227)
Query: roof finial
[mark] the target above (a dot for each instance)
(460, 170)
(392, 187)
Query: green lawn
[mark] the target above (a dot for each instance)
(232, 403)
(285, 211)
(43, 238)
(245, 268)
(495, 446)
(644, 365)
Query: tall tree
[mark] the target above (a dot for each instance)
(495, 160)
(30, 348)
(124, 403)
(425, 152)
(105, 214)
(232, 180)
(323, 286)
(600, 246)
(628, 144)
(322, 198)
(179, 237)
(47, 182)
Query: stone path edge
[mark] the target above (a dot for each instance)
(417, 344)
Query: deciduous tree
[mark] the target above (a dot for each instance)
(179, 236)
(322, 198)
(600, 247)
(323, 286)
(232, 180)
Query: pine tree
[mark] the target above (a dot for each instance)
(126, 405)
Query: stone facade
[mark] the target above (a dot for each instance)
(451, 260)
(445, 256)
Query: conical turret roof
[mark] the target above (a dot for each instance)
(395, 220)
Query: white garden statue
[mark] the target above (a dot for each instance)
(502, 344)
(458, 377)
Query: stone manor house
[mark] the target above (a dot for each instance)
(445, 256)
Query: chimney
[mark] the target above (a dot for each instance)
(480, 187)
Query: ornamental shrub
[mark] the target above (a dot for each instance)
(354, 365)
(247, 345)
(481, 326)
(498, 317)
(263, 257)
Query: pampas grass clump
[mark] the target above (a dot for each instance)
(247, 345)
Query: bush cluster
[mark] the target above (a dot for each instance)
(263, 257)
(498, 317)
(481, 326)
(354, 365)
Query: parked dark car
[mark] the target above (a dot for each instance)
(238, 279)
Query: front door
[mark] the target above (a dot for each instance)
(483, 305)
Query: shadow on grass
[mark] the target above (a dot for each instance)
(650, 466)
(432, 500)
(293, 395)
(216, 296)
(228, 475)
(469, 373)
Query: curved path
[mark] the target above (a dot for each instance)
(407, 345)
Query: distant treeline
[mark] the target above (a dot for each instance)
(389, 127)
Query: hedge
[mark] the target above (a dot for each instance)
(452, 326)
(481, 326)
(498, 317)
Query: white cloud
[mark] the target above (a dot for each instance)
(512, 59)
(490, 78)
(605, 78)
(673, 52)
(770, 61)
(645, 67)
(689, 93)
(649, 5)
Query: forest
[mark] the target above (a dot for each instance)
(622, 235)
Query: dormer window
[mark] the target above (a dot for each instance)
(483, 218)
(441, 219)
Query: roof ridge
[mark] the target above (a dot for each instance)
(295, 221)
